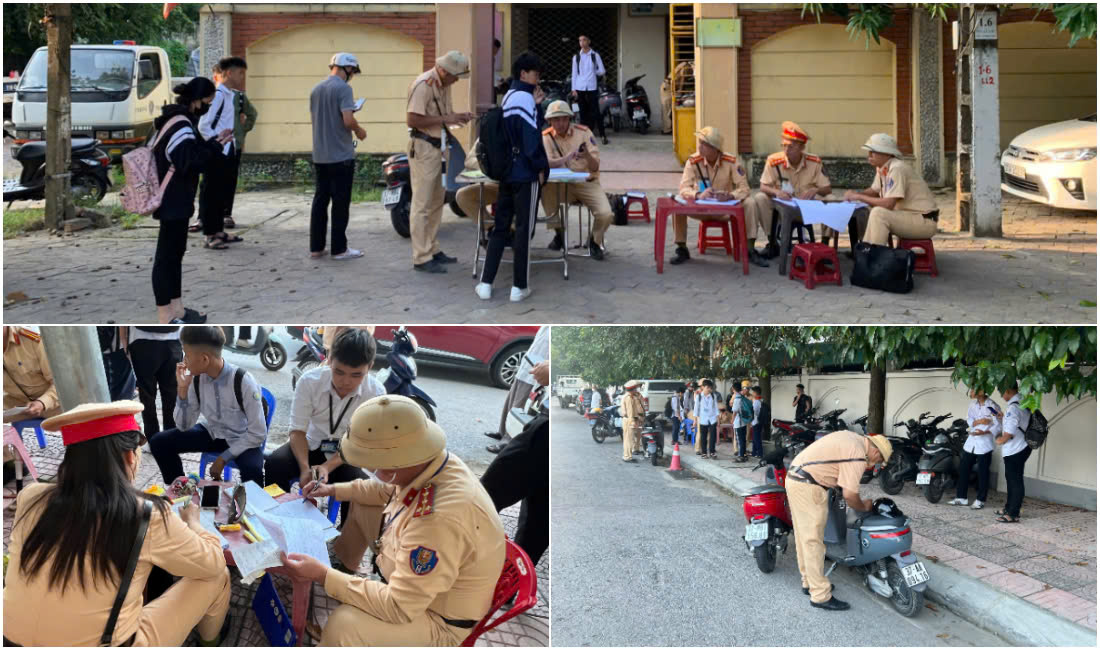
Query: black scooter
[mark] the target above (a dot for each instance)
(310, 356)
(400, 374)
(637, 105)
(653, 439)
(611, 108)
(265, 343)
(88, 172)
(938, 467)
(397, 196)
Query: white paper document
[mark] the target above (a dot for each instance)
(789, 202)
(301, 509)
(258, 500)
(716, 202)
(297, 536)
(833, 215)
(206, 518)
(566, 174)
(252, 559)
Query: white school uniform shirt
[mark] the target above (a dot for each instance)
(309, 411)
(756, 411)
(1014, 424)
(228, 117)
(586, 67)
(707, 409)
(737, 423)
(677, 408)
(538, 352)
(982, 444)
(596, 401)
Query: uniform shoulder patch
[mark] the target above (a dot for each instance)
(29, 334)
(422, 560)
(696, 158)
(425, 505)
(548, 130)
(410, 498)
(777, 158)
(812, 157)
(581, 127)
(728, 157)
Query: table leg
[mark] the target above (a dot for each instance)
(742, 241)
(480, 225)
(302, 591)
(660, 223)
(563, 212)
(784, 239)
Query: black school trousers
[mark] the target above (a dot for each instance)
(520, 473)
(519, 201)
(168, 261)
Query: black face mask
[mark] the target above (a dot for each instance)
(202, 109)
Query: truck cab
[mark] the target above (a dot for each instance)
(117, 92)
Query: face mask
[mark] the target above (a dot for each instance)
(203, 109)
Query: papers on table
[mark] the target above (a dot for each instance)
(636, 195)
(788, 202)
(833, 214)
(253, 559)
(258, 500)
(715, 202)
(566, 174)
(14, 414)
(295, 526)
(301, 509)
(206, 518)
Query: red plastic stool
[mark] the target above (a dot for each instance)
(723, 240)
(926, 258)
(812, 256)
(637, 209)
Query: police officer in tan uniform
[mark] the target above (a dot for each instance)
(429, 111)
(27, 378)
(836, 460)
(901, 203)
(708, 174)
(437, 540)
(574, 146)
(633, 411)
(468, 197)
(788, 174)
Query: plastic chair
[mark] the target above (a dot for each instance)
(12, 437)
(210, 457)
(516, 579)
(272, 615)
(722, 240)
(33, 423)
(689, 431)
(333, 509)
(925, 254)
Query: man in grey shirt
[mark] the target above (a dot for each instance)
(332, 107)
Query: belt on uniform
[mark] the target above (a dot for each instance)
(797, 475)
(457, 623)
(933, 215)
(8, 643)
(420, 135)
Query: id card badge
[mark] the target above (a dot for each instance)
(330, 446)
(788, 188)
(702, 186)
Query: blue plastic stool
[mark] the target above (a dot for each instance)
(272, 615)
(34, 423)
(689, 432)
(210, 457)
(333, 509)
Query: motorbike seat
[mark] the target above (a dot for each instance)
(82, 145)
(36, 149)
(767, 489)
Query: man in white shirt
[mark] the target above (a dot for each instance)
(1015, 451)
(741, 423)
(521, 386)
(677, 405)
(324, 401)
(983, 416)
(218, 121)
(587, 66)
(706, 409)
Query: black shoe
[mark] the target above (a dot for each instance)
(833, 604)
(495, 448)
(556, 243)
(431, 266)
(806, 590)
(757, 259)
(605, 140)
(629, 460)
(494, 435)
(594, 250)
(682, 255)
(771, 251)
(444, 259)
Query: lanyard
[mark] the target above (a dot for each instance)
(331, 426)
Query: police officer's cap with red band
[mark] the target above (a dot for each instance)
(91, 421)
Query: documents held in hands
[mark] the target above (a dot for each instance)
(289, 527)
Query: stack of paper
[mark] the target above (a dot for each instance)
(566, 174)
(716, 202)
(290, 527)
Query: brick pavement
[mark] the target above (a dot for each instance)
(529, 629)
(1049, 558)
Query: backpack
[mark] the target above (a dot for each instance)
(618, 208)
(765, 416)
(144, 190)
(238, 379)
(668, 408)
(746, 410)
(494, 150)
(1036, 432)
(883, 268)
(158, 329)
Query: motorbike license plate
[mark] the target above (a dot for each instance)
(914, 574)
(615, 110)
(391, 196)
(756, 532)
(924, 478)
(639, 115)
(1015, 170)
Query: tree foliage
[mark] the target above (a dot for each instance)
(605, 355)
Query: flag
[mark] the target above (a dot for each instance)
(168, 7)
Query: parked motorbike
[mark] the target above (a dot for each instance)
(832, 421)
(861, 422)
(768, 522)
(554, 89)
(653, 439)
(796, 436)
(637, 105)
(938, 467)
(310, 356)
(88, 172)
(397, 195)
(606, 422)
(611, 108)
(265, 343)
(400, 374)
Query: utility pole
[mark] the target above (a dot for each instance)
(59, 39)
(77, 365)
(978, 170)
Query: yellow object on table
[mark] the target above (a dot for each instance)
(229, 528)
(274, 490)
(252, 529)
(249, 537)
(155, 490)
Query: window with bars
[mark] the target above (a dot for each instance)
(552, 34)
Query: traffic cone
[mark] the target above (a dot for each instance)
(675, 466)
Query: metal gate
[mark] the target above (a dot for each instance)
(552, 34)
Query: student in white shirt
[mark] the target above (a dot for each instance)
(587, 66)
(324, 401)
(707, 411)
(1015, 451)
(677, 414)
(216, 189)
(985, 425)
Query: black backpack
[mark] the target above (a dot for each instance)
(158, 329)
(668, 408)
(618, 208)
(765, 417)
(883, 268)
(495, 153)
(238, 379)
(1036, 432)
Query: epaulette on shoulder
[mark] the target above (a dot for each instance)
(426, 502)
(581, 127)
(696, 158)
(30, 334)
(548, 130)
(812, 157)
(777, 159)
(729, 158)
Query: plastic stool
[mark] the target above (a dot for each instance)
(689, 431)
(34, 423)
(812, 256)
(333, 509)
(641, 213)
(926, 258)
(723, 240)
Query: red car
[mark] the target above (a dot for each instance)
(498, 349)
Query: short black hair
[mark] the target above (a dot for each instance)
(354, 347)
(230, 62)
(708, 383)
(217, 69)
(208, 337)
(496, 42)
(799, 386)
(680, 389)
(758, 390)
(526, 61)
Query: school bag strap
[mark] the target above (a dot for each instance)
(238, 390)
(156, 141)
(127, 577)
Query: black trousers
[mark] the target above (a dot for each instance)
(709, 434)
(219, 184)
(155, 369)
(589, 101)
(168, 261)
(966, 463)
(235, 172)
(1014, 478)
(281, 468)
(675, 429)
(333, 184)
(520, 473)
(519, 200)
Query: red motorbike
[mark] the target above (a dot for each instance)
(767, 516)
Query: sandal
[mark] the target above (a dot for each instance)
(195, 226)
(1000, 512)
(214, 243)
(1005, 519)
(227, 238)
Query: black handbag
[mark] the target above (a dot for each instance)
(883, 268)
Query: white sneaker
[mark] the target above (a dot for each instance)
(958, 502)
(978, 505)
(484, 290)
(349, 254)
(519, 295)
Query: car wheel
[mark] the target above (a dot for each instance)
(504, 369)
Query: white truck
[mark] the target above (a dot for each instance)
(567, 389)
(117, 92)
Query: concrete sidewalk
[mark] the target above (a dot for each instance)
(1034, 583)
(531, 628)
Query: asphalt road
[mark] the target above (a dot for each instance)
(645, 559)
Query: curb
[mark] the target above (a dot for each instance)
(1009, 617)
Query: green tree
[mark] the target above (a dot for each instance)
(757, 351)
(614, 355)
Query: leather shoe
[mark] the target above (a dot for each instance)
(556, 243)
(594, 250)
(495, 448)
(444, 259)
(682, 255)
(771, 251)
(431, 266)
(806, 590)
(757, 259)
(833, 604)
(494, 435)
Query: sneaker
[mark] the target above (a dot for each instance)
(484, 290)
(682, 255)
(605, 140)
(519, 295)
(431, 266)
(977, 505)
(556, 243)
(444, 259)
(242, 343)
(348, 254)
(958, 502)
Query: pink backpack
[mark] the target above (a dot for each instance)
(144, 189)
